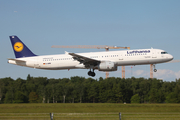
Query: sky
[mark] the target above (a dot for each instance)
(138, 24)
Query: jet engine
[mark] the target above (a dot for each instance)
(107, 66)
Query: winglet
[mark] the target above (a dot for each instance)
(20, 49)
(66, 52)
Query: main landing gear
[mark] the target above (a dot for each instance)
(90, 73)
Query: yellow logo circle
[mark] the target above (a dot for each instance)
(18, 46)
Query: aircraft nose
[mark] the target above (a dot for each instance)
(171, 57)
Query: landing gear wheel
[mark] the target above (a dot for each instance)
(90, 73)
(93, 74)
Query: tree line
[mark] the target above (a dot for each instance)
(88, 90)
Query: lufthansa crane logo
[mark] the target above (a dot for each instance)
(18, 46)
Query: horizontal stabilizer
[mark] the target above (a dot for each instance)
(16, 60)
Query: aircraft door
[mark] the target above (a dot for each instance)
(154, 55)
(120, 57)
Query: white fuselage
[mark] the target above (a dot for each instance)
(120, 58)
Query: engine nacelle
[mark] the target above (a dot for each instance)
(107, 66)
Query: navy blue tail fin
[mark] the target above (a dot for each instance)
(20, 49)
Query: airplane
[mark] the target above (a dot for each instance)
(102, 61)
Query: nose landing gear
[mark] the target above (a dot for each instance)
(155, 70)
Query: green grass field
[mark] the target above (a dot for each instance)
(90, 111)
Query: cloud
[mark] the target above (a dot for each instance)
(139, 72)
(164, 74)
(177, 74)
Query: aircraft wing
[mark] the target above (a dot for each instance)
(85, 60)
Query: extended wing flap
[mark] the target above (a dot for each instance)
(84, 60)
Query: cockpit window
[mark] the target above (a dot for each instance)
(164, 53)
